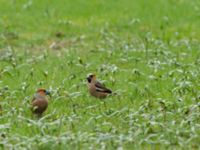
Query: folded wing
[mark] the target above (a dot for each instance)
(102, 88)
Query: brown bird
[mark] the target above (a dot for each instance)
(97, 89)
(39, 102)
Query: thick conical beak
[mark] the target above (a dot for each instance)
(47, 92)
(88, 79)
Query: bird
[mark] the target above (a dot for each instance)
(96, 88)
(40, 102)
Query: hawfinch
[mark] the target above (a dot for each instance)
(39, 102)
(96, 89)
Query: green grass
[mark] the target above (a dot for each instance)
(146, 51)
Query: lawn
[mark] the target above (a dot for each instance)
(147, 52)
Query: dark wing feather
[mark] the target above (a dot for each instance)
(101, 88)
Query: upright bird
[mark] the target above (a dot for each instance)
(39, 102)
(97, 89)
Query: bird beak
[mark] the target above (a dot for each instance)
(47, 93)
(88, 79)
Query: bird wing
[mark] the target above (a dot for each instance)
(101, 88)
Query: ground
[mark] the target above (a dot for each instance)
(147, 52)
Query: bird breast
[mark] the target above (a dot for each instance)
(39, 105)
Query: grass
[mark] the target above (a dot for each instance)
(146, 51)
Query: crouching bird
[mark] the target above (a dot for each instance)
(39, 102)
(97, 89)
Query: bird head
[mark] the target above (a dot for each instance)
(91, 77)
(43, 92)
